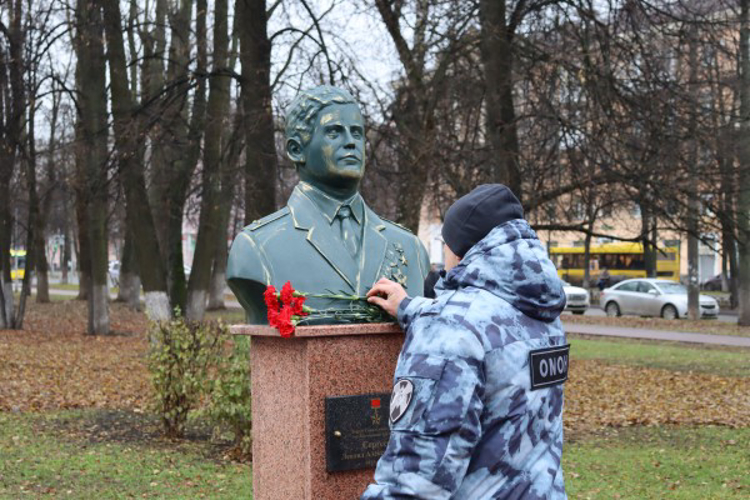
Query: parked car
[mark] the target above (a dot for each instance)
(653, 297)
(714, 284)
(114, 272)
(576, 298)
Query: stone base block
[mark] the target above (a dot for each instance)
(290, 380)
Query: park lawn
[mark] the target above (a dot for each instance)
(66, 454)
(53, 297)
(639, 463)
(707, 326)
(724, 361)
(230, 315)
(74, 417)
(61, 455)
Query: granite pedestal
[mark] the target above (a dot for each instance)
(291, 377)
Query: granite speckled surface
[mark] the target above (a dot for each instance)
(290, 380)
(319, 330)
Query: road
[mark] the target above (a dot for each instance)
(644, 333)
(595, 310)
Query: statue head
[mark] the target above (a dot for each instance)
(325, 139)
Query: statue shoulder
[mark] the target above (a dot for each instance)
(247, 257)
(396, 227)
(279, 215)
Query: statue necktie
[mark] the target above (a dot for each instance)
(349, 230)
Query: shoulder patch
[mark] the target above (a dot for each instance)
(267, 219)
(396, 224)
(400, 398)
(549, 366)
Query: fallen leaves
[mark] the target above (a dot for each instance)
(53, 365)
(599, 394)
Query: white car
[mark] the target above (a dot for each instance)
(576, 298)
(653, 297)
(114, 272)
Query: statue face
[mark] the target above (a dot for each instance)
(335, 156)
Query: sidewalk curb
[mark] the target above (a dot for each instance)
(637, 333)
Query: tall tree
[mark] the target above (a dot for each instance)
(260, 148)
(211, 203)
(440, 34)
(693, 195)
(497, 54)
(743, 207)
(128, 126)
(176, 141)
(12, 105)
(91, 155)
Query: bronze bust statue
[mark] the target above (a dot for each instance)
(326, 239)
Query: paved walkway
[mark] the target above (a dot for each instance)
(638, 333)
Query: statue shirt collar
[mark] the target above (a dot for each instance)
(330, 206)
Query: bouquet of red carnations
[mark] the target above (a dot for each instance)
(287, 309)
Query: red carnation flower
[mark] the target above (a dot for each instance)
(297, 306)
(285, 309)
(287, 293)
(273, 318)
(272, 302)
(284, 322)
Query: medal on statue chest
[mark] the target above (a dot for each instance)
(396, 265)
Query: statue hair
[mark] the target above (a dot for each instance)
(301, 113)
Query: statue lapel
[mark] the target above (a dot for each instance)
(321, 236)
(373, 250)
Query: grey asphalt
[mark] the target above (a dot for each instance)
(639, 333)
(597, 330)
(727, 316)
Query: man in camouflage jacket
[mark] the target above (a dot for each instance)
(476, 411)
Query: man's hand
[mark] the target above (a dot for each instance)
(387, 295)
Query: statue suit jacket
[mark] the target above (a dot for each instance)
(301, 243)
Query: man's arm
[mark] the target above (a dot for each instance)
(436, 404)
(433, 435)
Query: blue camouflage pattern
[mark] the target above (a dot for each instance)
(474, 430)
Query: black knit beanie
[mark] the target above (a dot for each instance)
(474, 215)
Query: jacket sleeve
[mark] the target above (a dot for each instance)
(433, 436)
(408, 309)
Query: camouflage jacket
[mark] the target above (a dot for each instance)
(470, 419)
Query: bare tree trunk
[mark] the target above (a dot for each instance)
(32, 248)
(219, 273)
(232, 148)
(728, 234)
(42, 280)
(65, 264)
(130, 280)
(260, 152)
(83, 259)
(693, 284)
(176, 141)
(211, 204)
(743, 205)
(649, 251)
(13, 108)
(139, 219)
(92, 155)
(496, 50)
(587, 259)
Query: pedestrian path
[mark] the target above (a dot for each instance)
(639, 333)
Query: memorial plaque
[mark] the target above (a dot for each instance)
(357, 430)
